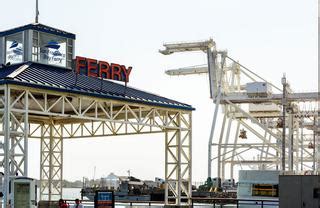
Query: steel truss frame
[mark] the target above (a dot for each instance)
(54, 116)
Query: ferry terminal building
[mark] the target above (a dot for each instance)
(49, 94)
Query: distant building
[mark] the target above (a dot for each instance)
(112, 182)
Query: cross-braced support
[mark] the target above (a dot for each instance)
(234, 149)
(14, 138)
(51, 161)
(178, 161)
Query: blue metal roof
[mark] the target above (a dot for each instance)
(38, 27)
(55, 78)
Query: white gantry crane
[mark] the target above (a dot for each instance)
(263, 127)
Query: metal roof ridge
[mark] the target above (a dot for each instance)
(16, 72)
(39, 27)
(40, 24)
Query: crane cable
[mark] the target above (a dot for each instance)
(253, 72)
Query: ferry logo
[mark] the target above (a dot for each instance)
(14, 44)
(53, 44)
(50, 52)
(18, 51)
(15, 49)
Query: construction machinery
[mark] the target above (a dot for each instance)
(263, 126)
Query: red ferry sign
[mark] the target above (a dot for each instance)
(102, 69)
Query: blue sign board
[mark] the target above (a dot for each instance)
(104, 199)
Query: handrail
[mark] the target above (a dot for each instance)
(130, 203)
(206, 200)
(225, 201)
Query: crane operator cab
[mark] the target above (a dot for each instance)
(23, 192)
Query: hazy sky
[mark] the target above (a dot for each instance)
(268, 36)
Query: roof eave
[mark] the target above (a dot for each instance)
(14, 82)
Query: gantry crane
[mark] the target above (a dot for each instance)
(247, 97)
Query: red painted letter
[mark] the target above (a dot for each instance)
(80, 64)
(115, 70)
(104, 70)
(92, 67)
(126, 72)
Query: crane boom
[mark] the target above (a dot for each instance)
(187, 46)
(187, 71)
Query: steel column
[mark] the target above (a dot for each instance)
(26, 132)
(234, 149)
(15, 143)
(51, 162)
(6, 145)
(178, 167)
(223, 164)
(220, 146)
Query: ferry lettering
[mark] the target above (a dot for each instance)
(94, 68)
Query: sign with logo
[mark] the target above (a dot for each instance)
(102, 69)
(53, 53)
(14, 51)
(104, 199)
